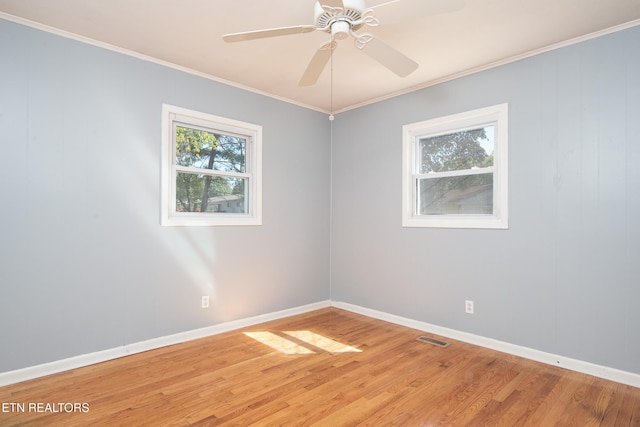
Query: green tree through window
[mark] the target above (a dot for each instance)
(211, 170)
(454, 170)
(203, 149)
(457, 151)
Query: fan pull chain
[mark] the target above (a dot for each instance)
(331, 83)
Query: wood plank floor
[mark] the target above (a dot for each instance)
(327, 367)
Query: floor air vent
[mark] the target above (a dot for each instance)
(432, 341)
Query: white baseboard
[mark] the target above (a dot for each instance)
(612, 374)
(19, 375)
(37, 371)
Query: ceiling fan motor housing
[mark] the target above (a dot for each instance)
(342, 19)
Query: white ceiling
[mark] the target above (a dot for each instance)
(446, 37)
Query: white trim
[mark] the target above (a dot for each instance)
(113, 48)
(495, 64)
(534, 52)
(253, 133)
(498, 116)
(459, 172)
(19, 375)
(617, 375)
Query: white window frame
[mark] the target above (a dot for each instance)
(253, 134)
(496, 115)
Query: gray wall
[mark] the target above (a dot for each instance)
(565, 277)
(84, 264)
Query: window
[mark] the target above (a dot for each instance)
(211, 169)
(455, 170)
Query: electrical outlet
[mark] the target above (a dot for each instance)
(468, 306)
(205, 301)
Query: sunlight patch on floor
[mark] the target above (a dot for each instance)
(300, 342)
(279, 343)
(322, 342)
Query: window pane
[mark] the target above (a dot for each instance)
(457, 150)
(203, 149)
(458, 195)
(208, 193)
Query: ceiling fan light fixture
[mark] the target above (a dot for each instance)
(340, 30)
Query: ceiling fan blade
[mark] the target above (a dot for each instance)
(317, 64)
(332, 3)
(394, 60)
(380, 3)
(426, 7)
(272, 32)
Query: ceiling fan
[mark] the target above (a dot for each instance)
(341, 19)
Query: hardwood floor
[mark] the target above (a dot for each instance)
(328, 367)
